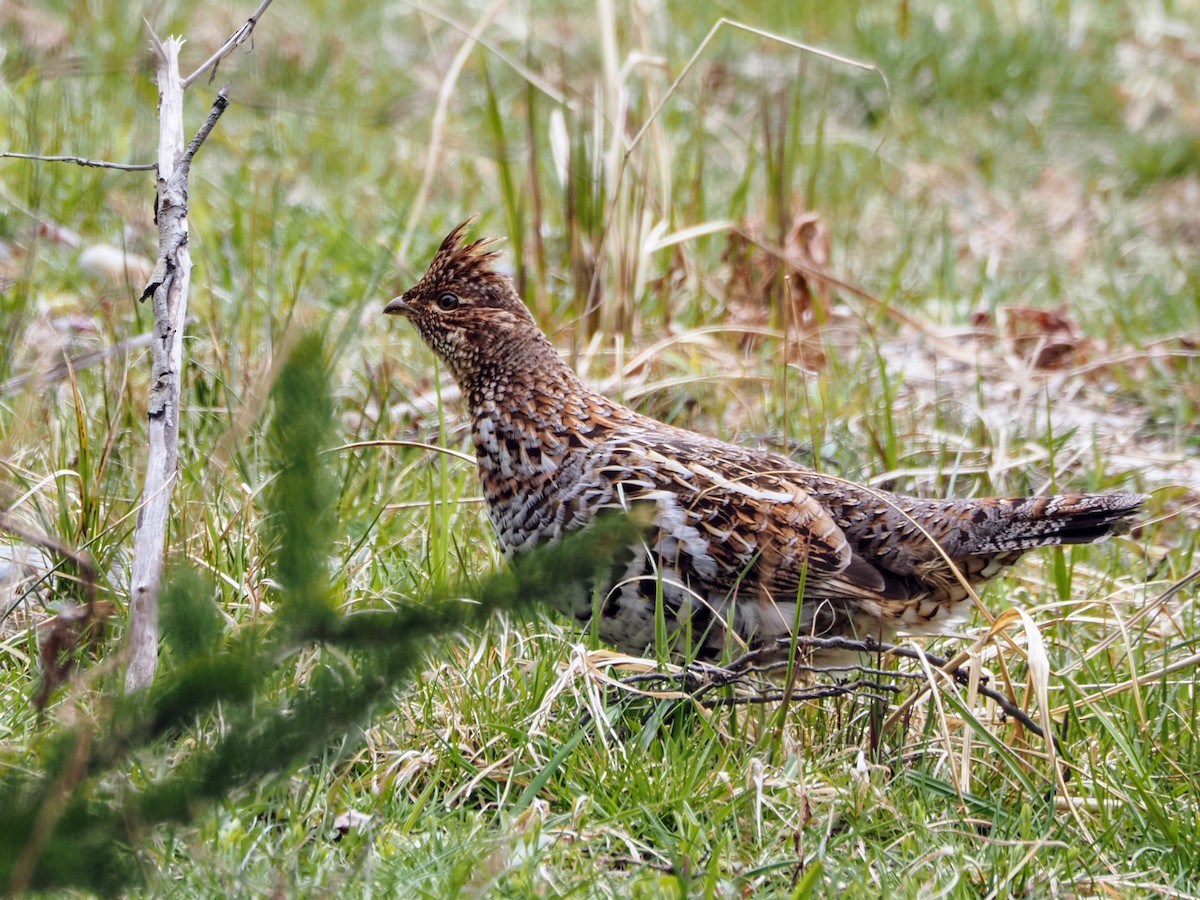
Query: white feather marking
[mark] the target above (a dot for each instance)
(740, 487)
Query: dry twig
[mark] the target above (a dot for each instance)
(697, 680)
(236, 39)
(82, 161)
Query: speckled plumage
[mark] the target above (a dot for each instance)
(740, 533)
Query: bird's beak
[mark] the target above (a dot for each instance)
(398, 307)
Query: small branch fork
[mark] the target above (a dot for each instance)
(238, 38)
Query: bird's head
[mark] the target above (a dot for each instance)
(465, 310)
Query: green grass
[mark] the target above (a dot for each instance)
(1021, 155)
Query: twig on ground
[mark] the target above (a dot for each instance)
(698, 679)
(816, 692)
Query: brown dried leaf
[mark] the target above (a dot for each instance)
(807, 242)
(752, 297)
(983, 320)
(1044, 338)
(741, 258)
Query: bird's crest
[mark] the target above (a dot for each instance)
(457, 260)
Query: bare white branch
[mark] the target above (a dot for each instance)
(81, 161)
(169, 289)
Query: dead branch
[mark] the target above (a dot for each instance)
(169, 289)
(81, 161)
(238, 38)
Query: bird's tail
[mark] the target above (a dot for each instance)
(1023, 523)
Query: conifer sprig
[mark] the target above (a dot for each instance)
(71, 816)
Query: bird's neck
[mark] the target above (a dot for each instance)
(531, 397)
(513, 377)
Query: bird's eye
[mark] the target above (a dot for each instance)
(447, 302)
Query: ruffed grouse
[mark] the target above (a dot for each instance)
(740, 534)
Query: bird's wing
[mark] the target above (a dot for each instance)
(731, 517)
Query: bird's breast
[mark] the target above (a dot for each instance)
(533, 483)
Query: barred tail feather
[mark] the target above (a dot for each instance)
(1029, 522)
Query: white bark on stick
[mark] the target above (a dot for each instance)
(169, 289)
(170, 294)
